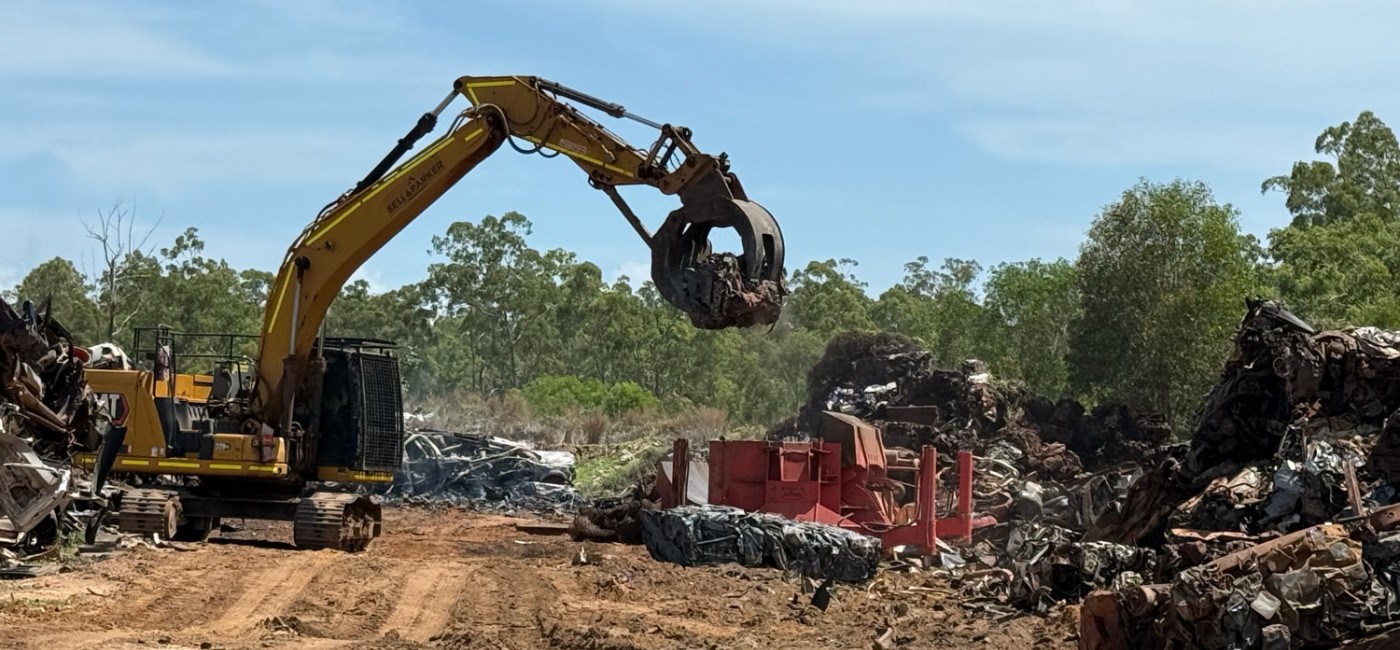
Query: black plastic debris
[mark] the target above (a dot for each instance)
(483, 472)
(706, 535)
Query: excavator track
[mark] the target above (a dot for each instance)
(338, 521)
(150, 512)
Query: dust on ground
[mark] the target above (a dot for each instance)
(456, 580)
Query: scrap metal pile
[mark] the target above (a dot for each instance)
(1267, 528)
(1047, 470)
(1279, 514)
(483, 472)
(890, 381)
(46, 411)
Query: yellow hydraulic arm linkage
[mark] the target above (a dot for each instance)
(716, 290)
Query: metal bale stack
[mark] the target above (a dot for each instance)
(703, 535)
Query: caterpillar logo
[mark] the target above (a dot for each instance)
(116, 406)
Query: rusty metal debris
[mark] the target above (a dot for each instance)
(47, 411)
(1274, 526)
(894, 384)
(1048, 469)
(1305, 589)
(1277, 518)
(721, 295)
(1270, 447)
(41, 377)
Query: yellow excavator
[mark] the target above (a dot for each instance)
(262, 437)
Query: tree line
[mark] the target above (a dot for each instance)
(1144, 314)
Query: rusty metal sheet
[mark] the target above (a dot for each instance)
(1387, 518)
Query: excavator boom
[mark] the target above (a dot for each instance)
(715, 290)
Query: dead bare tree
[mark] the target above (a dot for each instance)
(115, 232)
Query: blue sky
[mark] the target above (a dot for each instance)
(878, 131)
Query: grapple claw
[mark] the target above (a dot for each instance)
(719, 290)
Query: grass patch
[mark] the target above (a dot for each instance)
(608, 473)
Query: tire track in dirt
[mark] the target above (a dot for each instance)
(425, 606)
(269, 592)
(69, 640)
(350, 598)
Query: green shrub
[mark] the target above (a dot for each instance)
(557, 394)
(628, 396)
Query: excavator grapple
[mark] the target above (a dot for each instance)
(719, 290)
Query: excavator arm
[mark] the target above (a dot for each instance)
(716, 290)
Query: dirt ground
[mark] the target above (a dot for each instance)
(457, 581)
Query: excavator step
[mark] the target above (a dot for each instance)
(150, 512)
(338, 521)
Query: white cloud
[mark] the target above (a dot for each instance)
(78, 40)
(636, 272)
(353, 41)
(1135, 141)
(172, 160)
(373, 278)
(1086, 81)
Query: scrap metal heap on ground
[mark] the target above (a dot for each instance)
(1276, 524)
(1031, 456)
(46, 411)
(483, 472)
(1279, 515)
(1046, 470)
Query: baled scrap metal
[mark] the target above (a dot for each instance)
(705, 535)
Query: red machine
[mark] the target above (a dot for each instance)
(843, 479)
